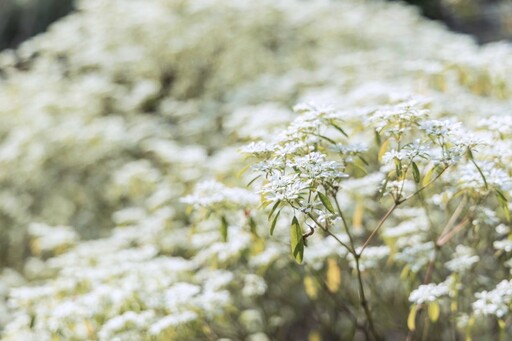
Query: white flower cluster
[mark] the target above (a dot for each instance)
(463, 259)
(495, 302)
(427, 293)
(212, 194)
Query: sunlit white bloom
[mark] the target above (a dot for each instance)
(285, 187)
(462, 260)
(417, 255)
(170, 321)
(427, 293)
(504, 245)
(50, 238)
(495, 302)
(469, 177)
(254, 285)
(258, 148)
(212, 193)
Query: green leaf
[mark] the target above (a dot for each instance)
(383, 188)
(481, 174)
(503, 201)
(428, 176)
(224, 228)
(415, 172)
(433, 311)
(382, 150)
(274, 222)
(252, 226)
(256, 178)
(297, 243)
(363, 159)
(377, 138)
(471, 157)
(338, 128)
(273, 209)
(470, 154)
(242, 171)
(326, 202)
(411, 319)
(398, 168)
(327, 139)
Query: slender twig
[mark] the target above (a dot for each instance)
(326, 230)
(374, 232)
(340, 212)
(426, 185)
(449, 235)
(456, 214)
(364, 302)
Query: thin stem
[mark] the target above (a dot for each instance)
(381, 222)
(454, 216)
(351, 239)
(364, 302)
(449, 235)
(326, 230)
(425, 186)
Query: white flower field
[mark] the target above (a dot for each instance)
(255, 170)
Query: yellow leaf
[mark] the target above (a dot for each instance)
(433, 311)
(405, 272)
(35, 247)
(502, 324)
(314, 335)
(311, 287)
(357, 219)
(411, 319)
(428, 176)
(333, 275)
(454, 306)
(383, 149)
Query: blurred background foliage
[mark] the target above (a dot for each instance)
(21, 19)
(487, 20)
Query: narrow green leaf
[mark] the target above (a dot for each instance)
(273, 209)
(338, 128)
(383, 188)
(428, 176)
(297, 243)
(383, 149)
(242, 171)
(326, 202)
(251, 182)
(363, 159)
(377, 138)
(224, 228)
(481, 174)
(360, 165)
(503, 201)
(415, 172)
(327, 139)
(252, 226)
(274, 222)
(470, 154)
(398, 168)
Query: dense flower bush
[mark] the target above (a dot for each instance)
(125, 211)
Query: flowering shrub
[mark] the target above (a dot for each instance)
(125, 210)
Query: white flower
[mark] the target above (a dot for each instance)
(495, 302)
(212, 193)
(462, 260)
(427, 293)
